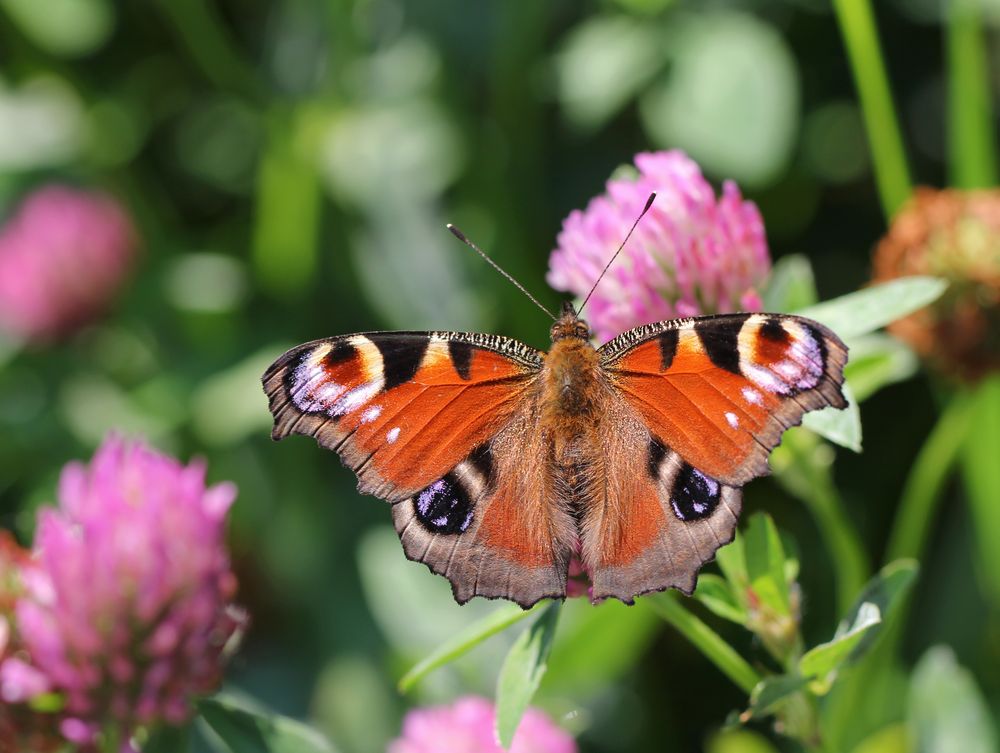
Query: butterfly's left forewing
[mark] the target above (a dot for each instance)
(444, 426)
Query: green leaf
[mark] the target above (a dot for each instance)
(165, 739)
(822, 661)
(717, 595)
(791, 285)
(791, 549)
(66, 28)
(768, 694)
(841, 427)
(765, 559)
(353, 704)
(731, 98)
(891, 739)
(878, 360)
(946, 711)
(522, 672)
(602, 64)
(886, 591)
(597, 645)
(739, 741)
(981, 473)
(869, 309)
(464, 641)
(248, 730)
(412, 610)
(733, 563)
(227, 406)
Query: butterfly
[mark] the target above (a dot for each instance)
(501, 462)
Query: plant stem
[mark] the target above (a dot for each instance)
(892, 175)
(927, 478)
(810, 480)
(971, 144)
(706, 640)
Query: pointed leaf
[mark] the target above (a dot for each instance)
(464, 641)
(716, 594)
(823, 661)
(604, 62)
(841, 427)
(886, 591)
(765, 559)
(166, 739)
(732, 561)
(891, 739)
(597, 645)
(522, 672)
(770, 692)
(878, 360)
(869, 309)
(947, 712)
(248, 730)
(736, 740)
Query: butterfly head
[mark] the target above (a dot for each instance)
(569, 325)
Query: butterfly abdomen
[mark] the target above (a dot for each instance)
(571, 390)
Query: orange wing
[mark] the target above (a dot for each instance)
(401, 408)
(658, 519)
(443, 425)
(719, 391)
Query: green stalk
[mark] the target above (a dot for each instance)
(808, 477)
(927, 478)
(930, 472)
(706, 640)
(891, 172)
(971, 144)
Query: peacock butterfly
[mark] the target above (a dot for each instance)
(502, 461)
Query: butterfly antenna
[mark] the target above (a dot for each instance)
(461, 236)
(649, 203)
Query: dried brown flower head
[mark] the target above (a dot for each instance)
(954, 235)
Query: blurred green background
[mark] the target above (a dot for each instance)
(291, 166)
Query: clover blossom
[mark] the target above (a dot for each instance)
(467, 726)
(21, 727)
(63, 254)
(127, 603)
(691, 254)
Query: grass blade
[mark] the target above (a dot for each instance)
(464, 642)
